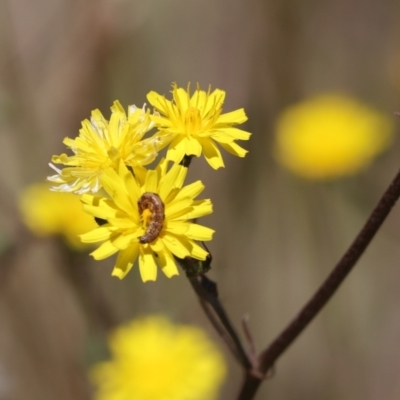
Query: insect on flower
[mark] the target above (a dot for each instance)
(151, 210)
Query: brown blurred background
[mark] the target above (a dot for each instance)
(277, 235)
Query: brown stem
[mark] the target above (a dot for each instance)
(220, 328)
(325, 292)
(212, 300)
(207, 293)
(209, 298)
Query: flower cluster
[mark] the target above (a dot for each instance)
(153, 359)
(148, 214)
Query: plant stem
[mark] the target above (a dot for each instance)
(269, 356)
(209, 301)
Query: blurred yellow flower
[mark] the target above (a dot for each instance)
(148, 216)
(329, 136)
(101, 144)
(152, 359)
(192, 125)
(48, 213)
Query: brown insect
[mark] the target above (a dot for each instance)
(152, 202)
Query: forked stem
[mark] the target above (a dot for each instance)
(269, 356)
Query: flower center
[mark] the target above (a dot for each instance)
(192, 121)
(146, 217)
(151, 210)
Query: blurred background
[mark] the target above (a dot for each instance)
(277, 234)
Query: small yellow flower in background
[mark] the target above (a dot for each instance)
(152, 359)
(48, 213)
(329, 136)
(101, 144)
(194, 124)
(148, 217)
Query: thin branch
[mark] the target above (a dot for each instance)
(199, 285)
(250, 340)
(219, 328)
(269, 356)
(207, 293)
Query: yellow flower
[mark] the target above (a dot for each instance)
(48, 213)
(101, 144)
(194, 124)
(152, 359)
(148, 217)
(330, 136)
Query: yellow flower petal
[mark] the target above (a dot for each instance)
(113, 185)
(212, 154)
(101, 212)
(234, 149)
(234, 117)
(214, 103)
(132, 186)
(192, 147)
(124, 241)
(181, 98)
(167, 264)
(229, 135)
(199, 232)
(104, 251)
(147, 265)
(173, 179)
(140, 177)
(177, 149)
(151, 182)
(158, 102)
(175, 246)
(165, 260)
(178, 208)
(197, 252)
(125, 222)
(200, 208)
(97, 235)
(192, 191)
(177, 227)
(126, 259)
(157, 245)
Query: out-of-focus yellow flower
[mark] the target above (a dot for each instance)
(148, 217)
(329, 136)
(152, 359)
(192, 125)
(101, 144)
(48, 213)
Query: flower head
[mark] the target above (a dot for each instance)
(152, 359)
(148, 217)
(330, 136)
(48, 213)
(194, 124)
(101, 144)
